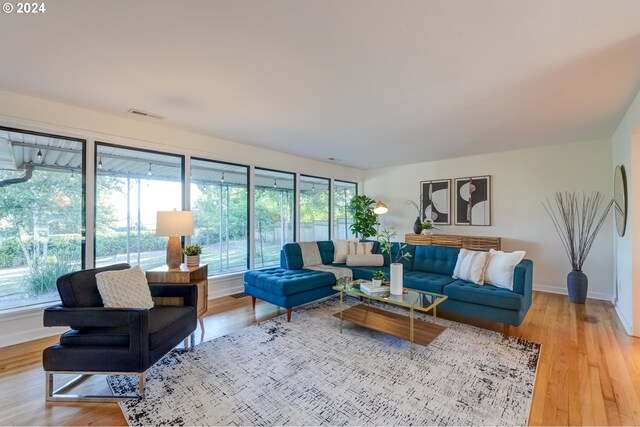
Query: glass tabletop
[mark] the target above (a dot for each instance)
(411, 298)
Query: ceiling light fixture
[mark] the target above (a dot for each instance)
(39, 155)
(149, 171)
(100, 164)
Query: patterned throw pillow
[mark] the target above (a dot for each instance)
(471, 266)
(124, 288)
(360, 248)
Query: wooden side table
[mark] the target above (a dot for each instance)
(184, 275)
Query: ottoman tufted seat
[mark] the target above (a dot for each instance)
(279, 281)
(288, 288)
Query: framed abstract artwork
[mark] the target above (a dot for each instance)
(435, 201)
(473, 200)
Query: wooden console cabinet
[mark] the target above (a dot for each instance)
(467, 242)
(184, 275)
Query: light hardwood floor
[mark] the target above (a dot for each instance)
(588, 373)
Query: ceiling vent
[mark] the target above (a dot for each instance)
(144, 114)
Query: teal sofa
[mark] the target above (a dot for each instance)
(429, 269)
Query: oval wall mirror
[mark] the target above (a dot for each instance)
(620, 199)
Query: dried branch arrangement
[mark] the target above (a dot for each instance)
(577, 221)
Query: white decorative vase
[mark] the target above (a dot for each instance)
(376, 282)
(396, 279)
(193, 260)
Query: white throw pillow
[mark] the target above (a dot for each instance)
(374, 260)
(124, 288)
(471, 266)
(501, 266)
(340, 250)
(360, 248)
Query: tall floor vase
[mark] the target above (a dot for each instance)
(396, 279)
(577, 285)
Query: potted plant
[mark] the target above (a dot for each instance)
(428, 227)
(378, 277)
(364, 219)
(193, 255)
(417, 225)
(577, 222)
(395, 260)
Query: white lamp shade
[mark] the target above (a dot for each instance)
(380, 208)
(174, 223)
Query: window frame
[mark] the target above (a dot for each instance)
(97, 143)
(329, 201)
(248, 168)
(83, 192)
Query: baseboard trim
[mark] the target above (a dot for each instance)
(563, 291)
(625, 323)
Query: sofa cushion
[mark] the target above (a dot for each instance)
(279, 281)
(293, 255)
(488, 295)
(436, 259)
(366, 273)
(165, 322)
(423, 281)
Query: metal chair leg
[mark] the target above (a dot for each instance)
(58, 395)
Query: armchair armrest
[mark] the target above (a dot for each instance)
(188, 292)
(89, 317)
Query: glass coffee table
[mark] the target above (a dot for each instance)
(399, 325)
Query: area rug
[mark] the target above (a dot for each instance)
(307, 373)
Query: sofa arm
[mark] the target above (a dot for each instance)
(188, 292)
(523, 279)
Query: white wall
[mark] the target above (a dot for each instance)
(626, 151)
(520, 182)
(25, 112)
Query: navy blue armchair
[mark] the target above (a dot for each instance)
(112, 340)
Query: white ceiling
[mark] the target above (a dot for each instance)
(371, 82)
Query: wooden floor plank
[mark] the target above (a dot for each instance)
(588, 372)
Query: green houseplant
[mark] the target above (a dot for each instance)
(378, 277)
(395, 260)
(364, 219)
(428, 226)
(193, 253)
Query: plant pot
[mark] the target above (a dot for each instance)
(376, 282)
(417, 226)
(577, 285)
(396, 279)
(427, 231)
(193, 260)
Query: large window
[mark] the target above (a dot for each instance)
(219, 205)
(41, 215)
(131, 187)
(314, 208)
(343, 192)
(274, 214)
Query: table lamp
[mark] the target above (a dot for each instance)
(174, 224)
